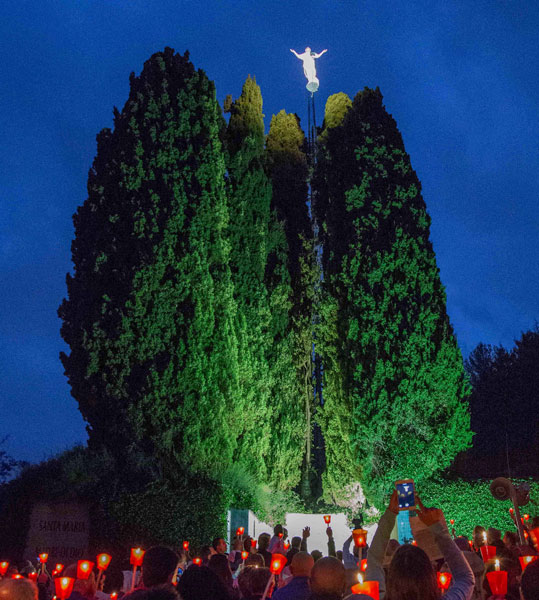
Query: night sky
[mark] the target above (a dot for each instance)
(460, 78)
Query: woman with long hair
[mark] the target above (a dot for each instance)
(411, 575)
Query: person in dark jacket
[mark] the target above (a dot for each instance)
(298, 587)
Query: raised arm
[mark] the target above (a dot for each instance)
(320, 53)
(294, 52)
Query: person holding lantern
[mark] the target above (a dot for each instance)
(410, 573)
(529, 582)
(298, 587)
(159, 568)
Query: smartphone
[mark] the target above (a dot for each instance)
(406, 493)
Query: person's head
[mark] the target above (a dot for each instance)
(277, 529)
(263, 541)
(493, 535)
(462, 543)
(316, 554)
(85, 587)
(160, 592)
(254, 560)
(529, 582)
(237, 544)
(201, 583)
(302, 564)
(308, 49)
(253, 581)
(205, 553)
(219, 545)
(510, 539)
(479, 536)
(411, 575)
(159, 566)
(18, 589)
(296, 542)
(247, 544)
(221, 567)
(327, 577)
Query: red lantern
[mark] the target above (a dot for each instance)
(84, 568)
(43, 557)
(253, 543)
(360, 537)
(17, 576)
(4, 565)
(488, 552)
(452, 521)
(244, 554)
(511, 511)
(59, 567)
(103, 561)
(363, 566)
(443, 580)
(526, 560)
(286, 545)
(137, 554)
(526, 517)
(498, 582)
(414, 543)
(114, 596)
(535, 537)
(327, 519)
(470, 543)
(280, 536)
(185, 545)
(64, 587)
(240, 531)
(32, 575)
(369, 588)
(197, 561)
(278, 561)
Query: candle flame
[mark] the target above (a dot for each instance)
(360, 578)
(497, 565)
(485, 536)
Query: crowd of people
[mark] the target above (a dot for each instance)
(401, 572)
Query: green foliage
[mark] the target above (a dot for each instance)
(394, 385)
(287, 167)
(337, 105)
(150, 314)
(470, 503)
(7, 464)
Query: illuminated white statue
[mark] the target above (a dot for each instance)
(309, 67)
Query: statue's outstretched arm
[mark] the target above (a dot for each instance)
(320, 53)
(294, 52)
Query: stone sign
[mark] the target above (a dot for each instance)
(61, 529)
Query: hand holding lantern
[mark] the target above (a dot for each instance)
(137, 554)
(277, 564)
(443, 580)
(244, 554)
(360, 537)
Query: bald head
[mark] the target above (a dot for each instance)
(302, 564)
(327, 576)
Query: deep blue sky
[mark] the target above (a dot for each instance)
(460, 78)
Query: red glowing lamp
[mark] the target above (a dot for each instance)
(55, 574)
(59, 567)
(414, 543)
(240, 531)
(244, 554)
(360, 537)
(470, 543)
(137, 554)
(278, 561)
(363, 565)
(488, 552)
(327, 519)
(511, 511)
(498, 582)
(526, 560)
(103, 561)
(114, 596)
(443, 580)
(185, 545)
(17, 576)
(535, 536)
(64, 587)
(253, 543)
(43, 557)
(84, 568)
(526, 517)
(197, 561)
(280, 535)
(369, 588)
(452, 521)
(4, 565)
(286, 545)
(32, 575)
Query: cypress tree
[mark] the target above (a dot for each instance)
(287, 166)
(150, 313)
(269, 440)
(394, 385)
